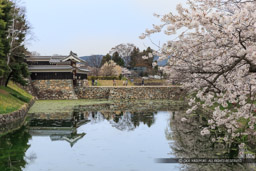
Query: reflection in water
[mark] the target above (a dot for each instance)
(65, 129)
(12, 150)
(109, 144)
(188, 143)
(123, 121)
(58, 130)
(118, 136)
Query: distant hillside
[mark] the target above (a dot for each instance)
(86, 58)
(160, 63)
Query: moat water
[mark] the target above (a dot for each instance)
(112, 137)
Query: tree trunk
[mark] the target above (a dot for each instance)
(8, 79)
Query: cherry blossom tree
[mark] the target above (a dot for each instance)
(216, 50)
(110, 68)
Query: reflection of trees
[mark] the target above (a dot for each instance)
(123, 120)
(12, 150)
(96, 117)
(144, 117)
(187, 142)
(124, 123)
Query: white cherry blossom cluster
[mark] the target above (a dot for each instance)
(217, 54)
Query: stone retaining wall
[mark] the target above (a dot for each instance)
(63, 89)
(54, 89)
(131, 93)
(15, 119)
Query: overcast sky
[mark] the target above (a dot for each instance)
(92, 26)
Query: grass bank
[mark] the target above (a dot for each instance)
(12, 98)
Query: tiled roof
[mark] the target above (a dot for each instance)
(84, 70)
(45, 58)
(38, 58)
(54, 60)
(49, 67)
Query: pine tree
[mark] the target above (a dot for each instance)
(105, 59)
(17, 31)
(149, 60)
(134, 56)
(5, 18)
(117, 59)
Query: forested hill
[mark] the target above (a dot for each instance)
(160, 63)
(86, 58)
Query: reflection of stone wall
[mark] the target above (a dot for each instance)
(54, 89)
(131, 93)
(15, 119)
(134, 106)
(52, 116)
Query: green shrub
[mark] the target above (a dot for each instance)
(103, 77)
(20, 97)
(16, 94)
(120, 77)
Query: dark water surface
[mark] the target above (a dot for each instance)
(123, 137)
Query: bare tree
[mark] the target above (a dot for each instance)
(34, 53)
(124, 50)
(17, 30)
(94, 61)
(57, 54)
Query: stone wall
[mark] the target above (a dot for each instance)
(28, 88)
(14, 120)
(131, 93)
(54, 89)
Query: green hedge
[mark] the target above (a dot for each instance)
(20, 97)
(16, 94)
(103, 77)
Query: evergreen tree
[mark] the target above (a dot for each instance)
(13, 31)
(16, 35)
(134, 55)
(147, 52)
(5, 18)
(117, 59)
(105, 59)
